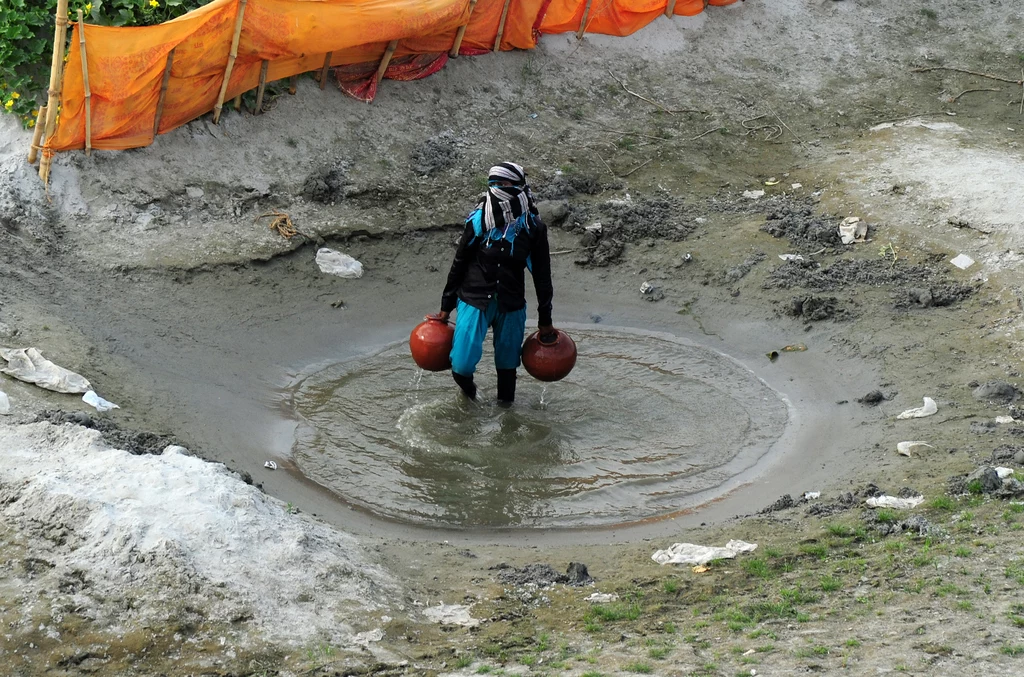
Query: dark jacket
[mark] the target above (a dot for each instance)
(483, 270)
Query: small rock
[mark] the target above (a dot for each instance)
(996, 391)
(553, 212)
(578, 574)
(194, 192)
(872, 398)
(987, 477)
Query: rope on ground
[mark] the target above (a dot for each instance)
(282, 224)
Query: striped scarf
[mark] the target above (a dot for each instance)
(506, 204)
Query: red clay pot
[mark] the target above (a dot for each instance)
(431, 344)
(549, 361)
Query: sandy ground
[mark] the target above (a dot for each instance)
(144, 271)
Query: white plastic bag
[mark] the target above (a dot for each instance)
(927, 409)
(101, 405)
(688, 553)
(29, 365)
(5, 404)
(336, 263)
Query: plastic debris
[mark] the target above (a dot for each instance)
(98, 403)
(701, 568)
(688, 553)
(753, 194)
(601, 598)
(646, 288)
(852, 230)
(927, 409)
(29, 365)
(962, 261)
(894, 502)
(594, 228)
(791, 257)
(1003, 472)
(5, 404)
(904, 448)
(270, 464)
(797, 186)
(336, 263)
(451, 614)
(812, 495)
(1005, 419)
(794, 348)
(772, 182)
(772, 355)
(365, 638)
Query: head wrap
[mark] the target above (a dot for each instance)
(505, 204)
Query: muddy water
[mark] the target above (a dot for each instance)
(642, 424)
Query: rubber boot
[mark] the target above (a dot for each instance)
(467, 385)
(506, 386)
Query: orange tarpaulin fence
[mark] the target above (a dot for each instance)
(126, 66)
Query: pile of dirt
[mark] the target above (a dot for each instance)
(543, 575)
(798, 223)
(607, 227)
(326, 185)
(135, 442)
(437, 153)
(920, 285)
(817, 308)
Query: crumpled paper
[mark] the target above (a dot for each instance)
(688, 553)
(29, 365)
(852, 230)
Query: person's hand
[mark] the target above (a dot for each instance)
(547, 334)
(440, 316)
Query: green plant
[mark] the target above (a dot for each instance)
(943, 503)
(852, 643)
(671, 586)
(831, 583)
(929, 13)
(757, 567)
(658, 652)
(1012, 650)
(887, 516)
(639, 668)
(463, 661)
(26, 41)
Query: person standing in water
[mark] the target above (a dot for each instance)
(486, 286)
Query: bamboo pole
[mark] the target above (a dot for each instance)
(238, 102)
(231, 62)
(163, 93)
(53, 92)
(293, 84)
(386, 59)
(461, 33)
(501, 24)
(261, 88)
(37, 134)
(583, 21)
(671, 9)
(326, 67)
(85, 81)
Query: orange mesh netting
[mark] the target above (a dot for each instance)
(126, 65)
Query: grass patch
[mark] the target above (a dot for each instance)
(852, 643)
(1015, 571)
(1012, 649)
(609, 613)
(757, 567)
(887, 516)
(818, 550)
(639, 668)
(658, 653)
(942, 503)
(671, 586)
(463, 662)
(929, 13)
(831, 583)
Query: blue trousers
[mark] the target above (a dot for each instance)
(471, 328)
